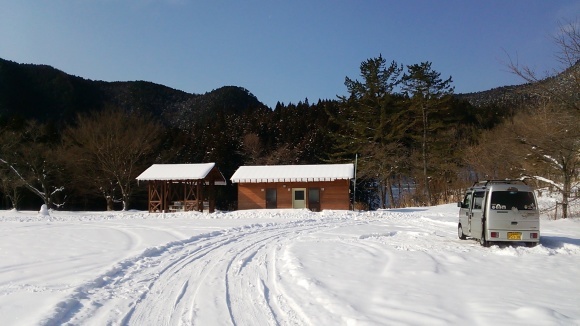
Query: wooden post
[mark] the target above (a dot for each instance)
(155, 189)
(199, 196)
(166, 196)
(150, 187)
(184, 198)
(211, 196)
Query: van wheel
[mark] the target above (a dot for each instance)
(460, 232)
(482, 241)
(531, 244)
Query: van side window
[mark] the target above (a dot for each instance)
(478, 199)
(466, 200)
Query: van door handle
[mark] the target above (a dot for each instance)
(514, 223)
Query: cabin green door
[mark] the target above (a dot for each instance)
(271, 200)
(314, 199)
(299, 198)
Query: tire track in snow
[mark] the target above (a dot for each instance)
(225, 277)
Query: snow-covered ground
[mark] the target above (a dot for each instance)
(280, 267)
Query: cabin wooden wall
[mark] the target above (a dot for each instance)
(334, 196)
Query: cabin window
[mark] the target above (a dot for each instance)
(299, 195)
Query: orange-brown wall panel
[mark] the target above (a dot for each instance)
(250, 197)
(334, 196)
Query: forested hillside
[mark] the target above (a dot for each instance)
(40, 107)
(46, 94)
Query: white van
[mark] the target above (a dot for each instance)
(499, 211)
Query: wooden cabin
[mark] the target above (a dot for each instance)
(316, 187)
(182, 187)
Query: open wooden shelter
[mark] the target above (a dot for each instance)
(182, 187)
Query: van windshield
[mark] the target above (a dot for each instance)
(523, 200)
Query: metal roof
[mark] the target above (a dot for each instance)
(180, 172)
(293, 173)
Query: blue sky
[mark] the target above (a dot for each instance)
(281, 50)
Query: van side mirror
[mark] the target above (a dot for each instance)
(460, 204)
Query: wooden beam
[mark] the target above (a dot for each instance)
(155, 199)
(166, 195)
(211, 196)
(199, 195)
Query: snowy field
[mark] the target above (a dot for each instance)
(280, 267)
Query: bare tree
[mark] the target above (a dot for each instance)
(113, 147)
(543, 145)
(252, 148)
(34, 163)
(88, 178)
(568, 40)
(551, 141)
(493, 157)
(563, 90)
(550, 132)
(10, 183)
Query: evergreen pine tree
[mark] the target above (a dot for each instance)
(367, 124)
(428, 95)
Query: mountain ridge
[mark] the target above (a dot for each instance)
(45, 93)
(525, 93)
(42, 92)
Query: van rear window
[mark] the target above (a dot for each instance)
(523, 200)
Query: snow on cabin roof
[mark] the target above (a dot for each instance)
(180, 172)
(293, 173)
